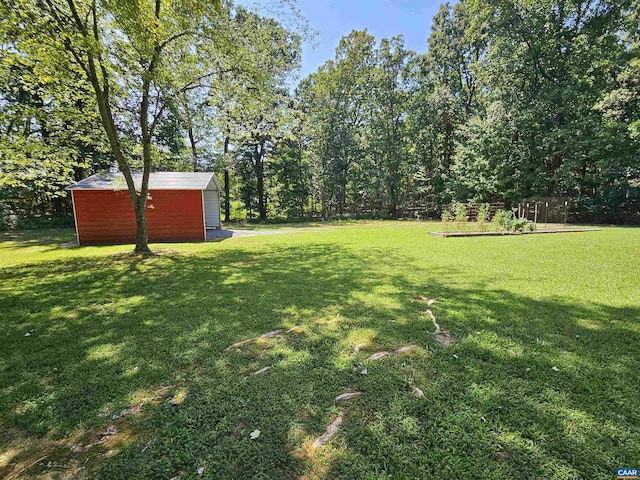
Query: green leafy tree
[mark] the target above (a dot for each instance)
(50, 133)
(445, 94)
(388, 134)
(542, 130)
(337, 102)
(252, 107)
(138, 57)
(291, 179)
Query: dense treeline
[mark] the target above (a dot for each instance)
(512, 100)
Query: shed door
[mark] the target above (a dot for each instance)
(211, 208)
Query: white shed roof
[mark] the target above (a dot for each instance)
(157, 181)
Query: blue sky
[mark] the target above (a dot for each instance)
(382, 18)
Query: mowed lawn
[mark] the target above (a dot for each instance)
(542, 381)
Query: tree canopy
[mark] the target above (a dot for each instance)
(510, 100)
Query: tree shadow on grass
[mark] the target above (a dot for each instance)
(538, 388)
(108, 332)
(105, 332)
(25, 240)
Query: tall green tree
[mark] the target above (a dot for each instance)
(445, 93)
(266, 123)
(622, 103)
(138, 56)
(337, 100)
(253, 107)
(548, 65)
(250, 99)
(388, 135)
(49, 128)
(291, 177)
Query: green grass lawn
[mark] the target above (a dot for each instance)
(113, 332)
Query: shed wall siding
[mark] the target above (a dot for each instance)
(212, 208)
(107, 216)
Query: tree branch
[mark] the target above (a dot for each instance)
(175, 37)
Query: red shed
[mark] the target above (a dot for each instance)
(181, 207)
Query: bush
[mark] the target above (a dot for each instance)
(447, 218)
(506, 222)
(483, 216)
(503, 220)
(460, 213)
(38, 223)
(8, 218)
(522, 225)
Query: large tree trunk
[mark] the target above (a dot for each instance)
(393, 194)
(323, 193)
(262, 201)
(227, 198)
(262, 204)
(342, 195)
(58, 208)
(142, 237)
(194, 150)
(98, 76)
(140, 200)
